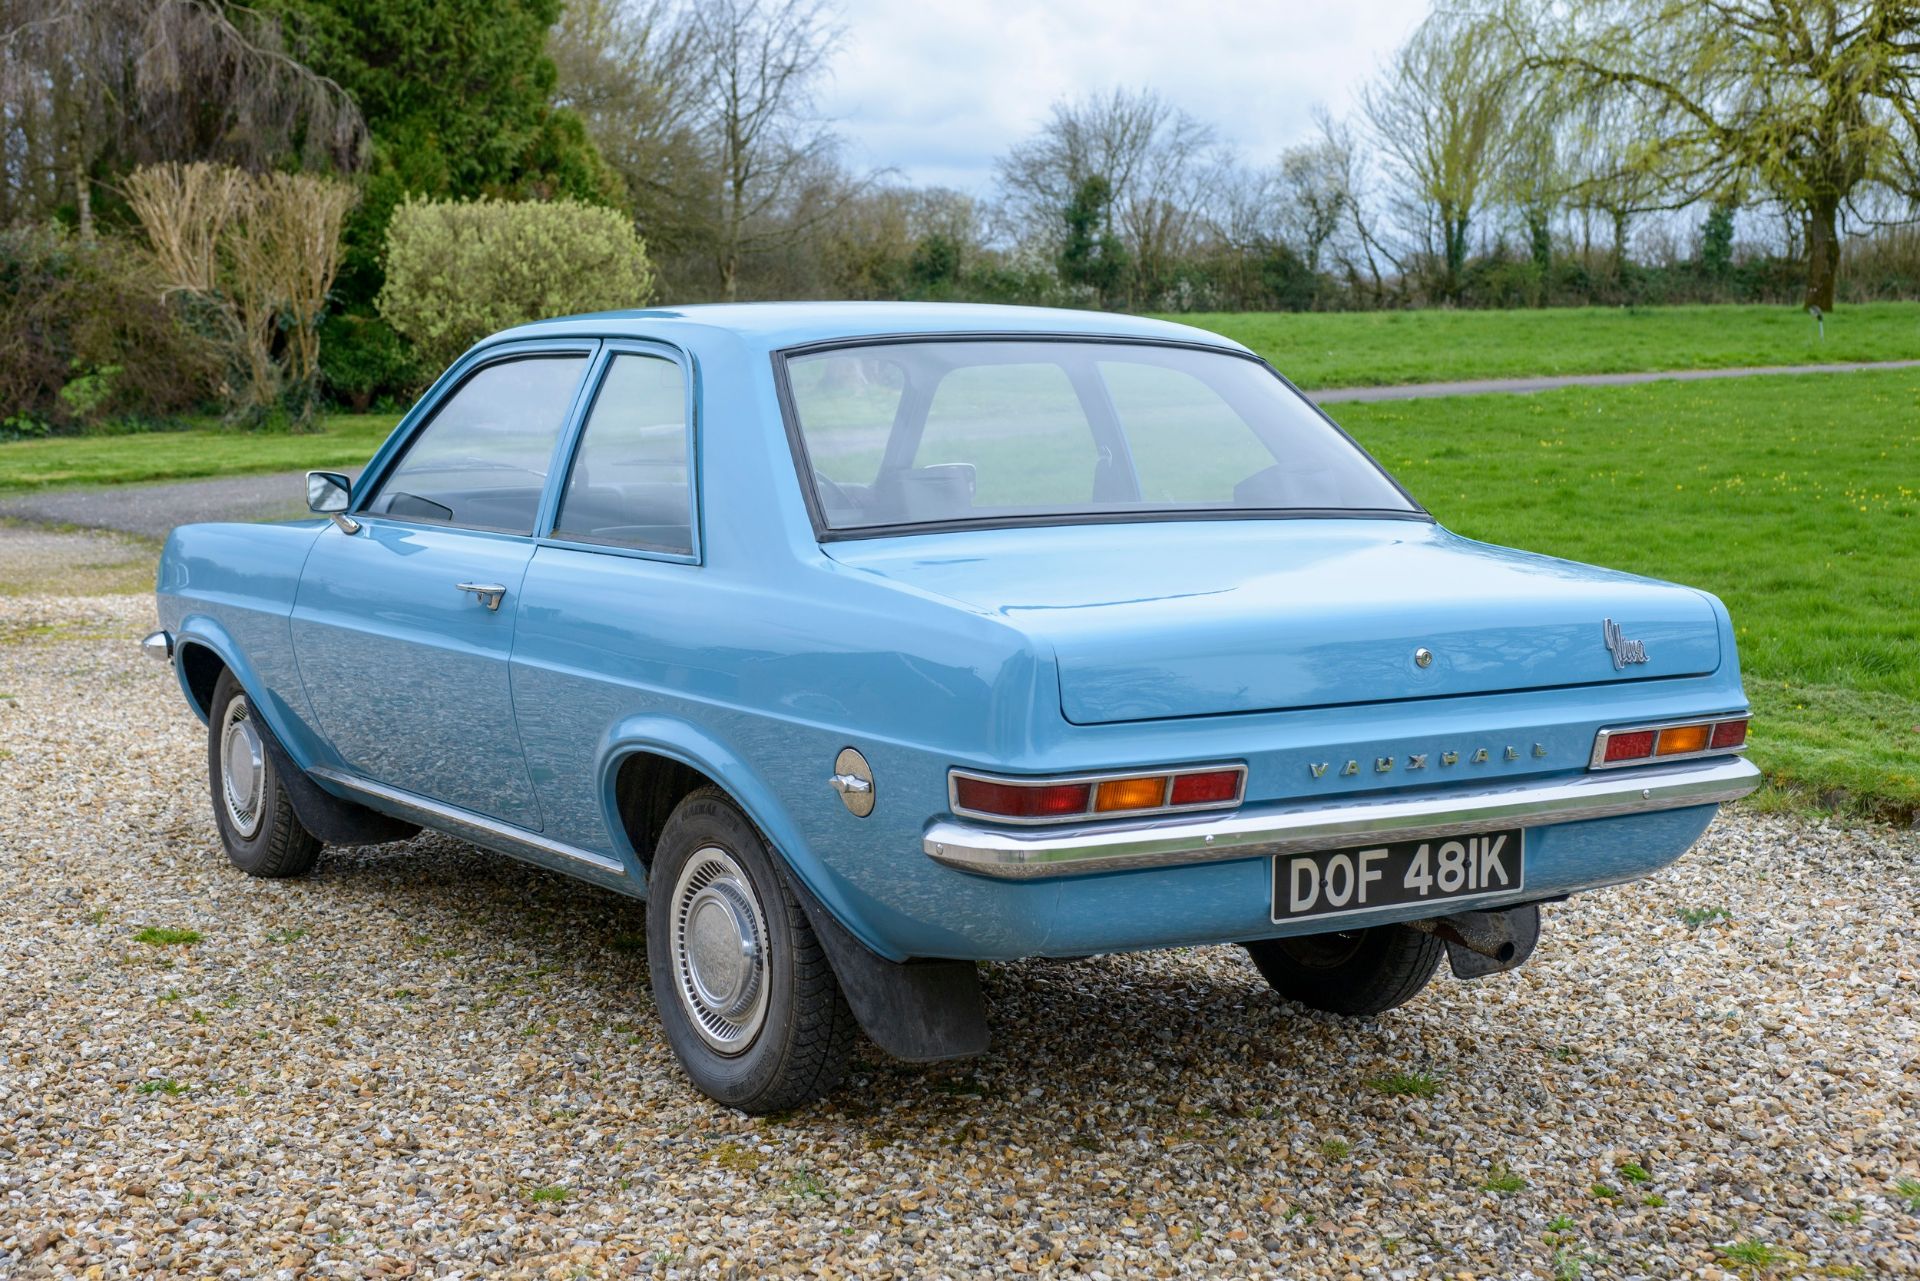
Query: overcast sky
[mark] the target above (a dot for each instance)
(937, 88)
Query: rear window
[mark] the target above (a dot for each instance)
(1010, 431)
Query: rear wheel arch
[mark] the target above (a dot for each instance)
(646, 788)
(919, 1011)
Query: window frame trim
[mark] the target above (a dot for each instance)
(421, 417)
(574, 435)
(825, 533)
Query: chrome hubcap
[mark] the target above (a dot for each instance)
(720, 950)
(243, 769)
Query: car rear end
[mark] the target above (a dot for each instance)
(1224, 789)
(1278, 699)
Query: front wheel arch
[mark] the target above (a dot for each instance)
(200, 669)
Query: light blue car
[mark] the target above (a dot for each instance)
(870, 641)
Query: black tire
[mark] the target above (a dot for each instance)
(803, 1041)
(277, 845)
(1366, 971)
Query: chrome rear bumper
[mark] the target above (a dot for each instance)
(1022, 853)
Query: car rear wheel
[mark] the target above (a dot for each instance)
(262, 834)
(1364, 971)
(746, 994)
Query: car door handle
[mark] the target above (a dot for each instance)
(488, 594)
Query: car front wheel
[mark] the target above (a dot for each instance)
(262, 834)
(1366, 971)
(746, 994)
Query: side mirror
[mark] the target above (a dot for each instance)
(328, 492)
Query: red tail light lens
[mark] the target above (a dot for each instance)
(1730, 734)
(1210, 788)
(1011, 800)
(1631, 746)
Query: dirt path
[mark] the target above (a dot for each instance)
(1523, 386)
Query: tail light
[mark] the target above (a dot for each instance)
(1680, 740)
(1060, 800)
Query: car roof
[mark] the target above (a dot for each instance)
(776, 325)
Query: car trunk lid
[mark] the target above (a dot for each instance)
(1204, 618)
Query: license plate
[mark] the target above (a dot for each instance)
(1397, 874)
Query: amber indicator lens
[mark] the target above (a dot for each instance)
(1730, 734)
(1210, 788)
(1677, 740)
(1052, 800)
(1631, 746)
(1131, 794)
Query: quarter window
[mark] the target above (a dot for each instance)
(481, 463)
(630, 486)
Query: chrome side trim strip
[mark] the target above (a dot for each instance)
(478, 828)
(1022, 853)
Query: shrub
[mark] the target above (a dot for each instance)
(458, 271)
(250, 259)
(363, 359)
(86, 338)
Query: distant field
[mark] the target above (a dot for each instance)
(1795, 500)
(1370, 349)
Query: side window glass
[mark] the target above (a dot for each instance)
(1019, 432)
(629, 486)
(482, 461)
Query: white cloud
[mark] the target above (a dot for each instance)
(938, 88)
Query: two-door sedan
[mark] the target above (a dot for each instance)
(870, 641)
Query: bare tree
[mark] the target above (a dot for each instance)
(1609, 175)
(1355, 248)
(148, 80)
(1315, 188)
(1442, 113)
(1159, 164)
(756, 64)
(626, 68)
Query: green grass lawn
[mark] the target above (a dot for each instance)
(1356, 349)
(1796, 500)
(347, 440)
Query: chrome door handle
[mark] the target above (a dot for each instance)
(488, 594)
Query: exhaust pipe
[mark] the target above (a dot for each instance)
(1482, 943)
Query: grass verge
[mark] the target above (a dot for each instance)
(1797, 501)
(1377, 348)
(345, 440)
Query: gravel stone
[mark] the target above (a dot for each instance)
(426, 1060)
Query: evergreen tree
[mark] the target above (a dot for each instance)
(457, 95)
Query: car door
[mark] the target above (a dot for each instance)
(609, 598)
(403, 628)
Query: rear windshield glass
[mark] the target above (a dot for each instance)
(1006, 431)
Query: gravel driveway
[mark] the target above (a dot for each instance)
(425, 1059)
